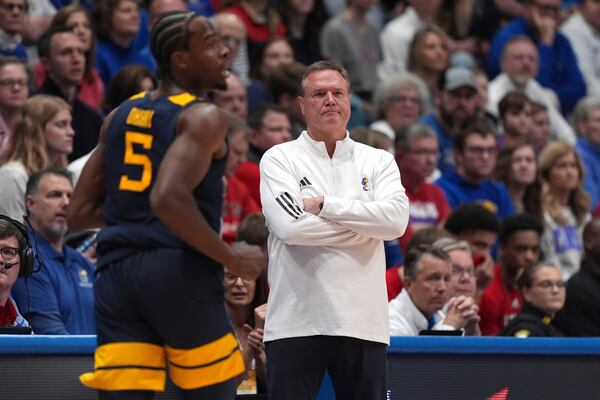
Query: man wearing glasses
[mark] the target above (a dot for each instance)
(475, 152)
(559, 67)
(12, 22)
(12, 243)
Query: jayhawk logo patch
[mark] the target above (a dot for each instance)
(365, 184)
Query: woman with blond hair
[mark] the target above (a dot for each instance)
(42, 138)
(516, 167)
(565, 205)
(428, 56)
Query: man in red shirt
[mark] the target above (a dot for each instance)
(417, 152)
(519, 246)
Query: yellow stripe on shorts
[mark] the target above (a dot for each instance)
(205, 365)
(127, 366)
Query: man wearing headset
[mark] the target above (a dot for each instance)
(12, 246)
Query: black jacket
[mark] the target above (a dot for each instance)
(581, 314)
(531, 321)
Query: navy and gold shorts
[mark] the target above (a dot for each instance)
(160, 310)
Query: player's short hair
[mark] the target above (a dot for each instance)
(169, 34)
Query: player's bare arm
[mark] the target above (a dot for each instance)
(201, 138)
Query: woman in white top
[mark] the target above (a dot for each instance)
(565, 204)
(41, 139)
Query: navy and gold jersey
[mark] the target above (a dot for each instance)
(138, 136)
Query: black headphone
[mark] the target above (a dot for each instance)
(26, 256)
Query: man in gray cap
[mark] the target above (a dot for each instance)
(458, 103)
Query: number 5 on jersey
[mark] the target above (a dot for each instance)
(141, 160)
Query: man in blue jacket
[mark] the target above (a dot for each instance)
(475, 152)
(559, 70)
(587, 122)
(59, 298)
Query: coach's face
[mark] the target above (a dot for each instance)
(326, 104)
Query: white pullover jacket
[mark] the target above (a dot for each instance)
(327, 272)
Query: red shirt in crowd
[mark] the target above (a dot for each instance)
(393, 282)
(499, 304)
(428, 208)
(236, 205)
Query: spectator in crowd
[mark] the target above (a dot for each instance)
(471, 24)
(398, 101)
(75, 17)
(397, 35)
(544, 293)
(238, 202)
(117, 24)
(458, 103)
(519, 247)
(324, 229)
(262, 22)
(269, 125)
(581, 314)
(304, 21)
(586, 118)
(233, 99)
(253, 231)
(15, 261)
(43, 138)
(566, 206)
(519, 65)
(517, 169)
(475, 152)
(428, 57)
(65, 65)
(241, 298)
(283, 85)
(394, 274)
(14, 90)
(463, 280)
(12, 23)
(427, 275)
(559, 68)
(59, 299)
(540, 128)
(371, 138)
(275, 52)
(515, 117)
(482, 82)
(156, 8)
(416, 155)
(350, 39)
(38, 20)
(479, 227)
(233, 33)
(130, 80)
(582, 29)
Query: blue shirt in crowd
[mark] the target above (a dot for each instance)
(558, 68)
(110, 58)
(492, 195)
(446, 143)
(590, 156)
(59, 298)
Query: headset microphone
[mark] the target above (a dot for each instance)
(8, 265)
